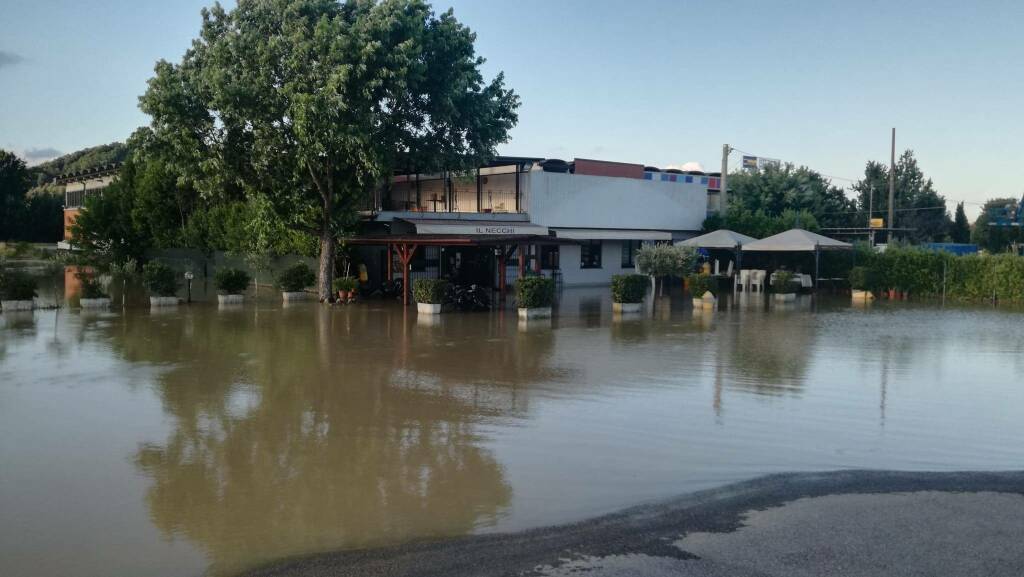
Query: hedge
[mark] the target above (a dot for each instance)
(160, 279)
(700, 284)
(535, 292)
(919, 272)
(17, 286)
(629, 288)
(296, 278)
(430, 290)
(231, 281)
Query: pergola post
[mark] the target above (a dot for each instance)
(535, 249)
(522, 260)
(389, 273)
(406, 252)
(817, 258)
(501, 275)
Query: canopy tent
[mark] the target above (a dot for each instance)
(721, 239)
(798, 240)
(724, 239)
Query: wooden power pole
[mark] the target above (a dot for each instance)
(724, 188)
(892, 187)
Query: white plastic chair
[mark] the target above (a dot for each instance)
(757, 280)
(742, 280)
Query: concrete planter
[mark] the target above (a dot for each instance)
(535, 313)
(428, 308)
(17, 305)
(230, 299)
(627, 308)
(100, 303)
(858, 295)
(785, 297)
(290, 297)
(163, 301)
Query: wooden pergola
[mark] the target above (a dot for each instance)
(407, 245)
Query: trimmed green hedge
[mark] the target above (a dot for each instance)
(17, 286)
(629, 288)
(430, 290)
(700, 284)
(919, 272)
(231, 281)
(535, 292)
(296, 278)
(160, 279)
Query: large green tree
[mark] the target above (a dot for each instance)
(961, 229)
(312, 103)
(918, 205)
(14, 183)
(990, 236)
(775, 189)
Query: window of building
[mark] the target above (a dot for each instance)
(549, 257)
(629, 248)
(590, 254)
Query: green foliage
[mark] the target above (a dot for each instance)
(784, 283)
(775, 190)
(231, 281)
(863, 278)
(535, 292)
(921, 272)
(759, 224)
(913, 191)
(995, 239)
(629, 288)
(160, 279)
(105, 229)
(25, 216)
(91, 287)
(83, 159)
(700, 284)
(16, 285)
(665, 259)
(296, 278)
(347, 283)
(336, 94)
(430, 290)
(961, 230)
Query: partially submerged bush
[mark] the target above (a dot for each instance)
(296, 278)
(91, 286)
(629, 288)
(863, 279)
(345, 283)
(160, 279)
(700, 284)
(535, 292)
(231, 281)
(429, 290)
(783, 283)
(17, 286)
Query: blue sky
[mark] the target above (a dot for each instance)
(817, 82)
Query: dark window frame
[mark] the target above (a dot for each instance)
(629, 248)
(590, 254)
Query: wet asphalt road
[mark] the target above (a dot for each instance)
(836, 524)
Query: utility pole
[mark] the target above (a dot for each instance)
(871, 214)
(892, 187)
(724, 188)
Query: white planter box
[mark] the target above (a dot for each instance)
(163, 301)
(535, 313)
(428, 308)
(101, 303)
(230, 299)
(862, 295)
(627, 307)
(296, 296)
(787, 297)
(17, 305)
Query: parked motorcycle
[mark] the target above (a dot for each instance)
(469, 298)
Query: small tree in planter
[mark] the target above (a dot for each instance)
(429, 294)
(534, 295)
(782, 286)
(665, 260)
(231, 284)
(161, 281)
(92, 296)
(702, 285)
(628, 292)
(294, 280)
(17, 290)
(862, 282)
(345, 287)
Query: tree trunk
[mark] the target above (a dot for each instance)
(325, 273)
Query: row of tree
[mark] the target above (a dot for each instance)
(25, 216)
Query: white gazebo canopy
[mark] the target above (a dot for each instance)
(722, 239)
(796, 240)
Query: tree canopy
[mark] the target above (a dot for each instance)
(310, 104)
(992, 238)
(918, 205)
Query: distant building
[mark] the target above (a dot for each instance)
(80, 185)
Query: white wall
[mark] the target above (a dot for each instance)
(584, 201)
(611, 263)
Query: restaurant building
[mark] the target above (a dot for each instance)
(80, 185)
(579, 222)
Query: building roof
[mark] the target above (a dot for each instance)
(87, 173)
(718, 239)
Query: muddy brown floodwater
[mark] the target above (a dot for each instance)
(207, 441)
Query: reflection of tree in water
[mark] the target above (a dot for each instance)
(769, 352)
(293, 435)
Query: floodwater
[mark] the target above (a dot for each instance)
(207, 441)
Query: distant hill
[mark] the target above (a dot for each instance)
(45, 172)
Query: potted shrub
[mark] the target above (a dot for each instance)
(17, 291)
(782, 286)
(534, 295)
(161, 281)
(345, 287)
(628, 292)
(861, 283)
(429, 294)
(703, 290)
(93, 295)
(293, 282)
(231, 283)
